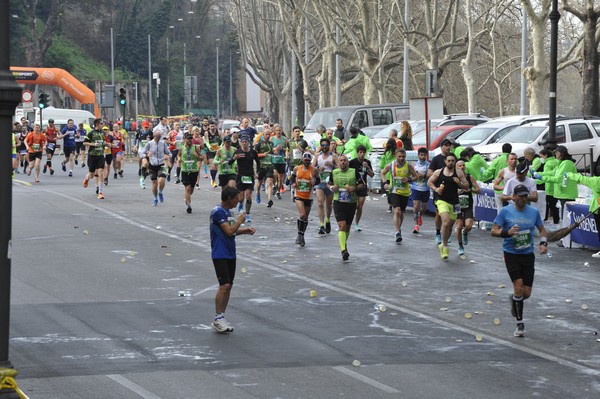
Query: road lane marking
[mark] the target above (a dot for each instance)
(132, 386)
(348, 291)
(365, 379)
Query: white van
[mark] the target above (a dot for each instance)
(358, 116)
(60, 116)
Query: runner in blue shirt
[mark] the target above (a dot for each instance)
(515, 223)
(223, 229)
(68, 135)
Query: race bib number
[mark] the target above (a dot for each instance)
(324, 176)
(50, 146)
(189, 164)
(297, 153)
(99, 143)
(303, 186)
(117, 143)
(463, 201)
(36, 147)
(522, 239)
(246, 180)
(399, 185)
(344, 195)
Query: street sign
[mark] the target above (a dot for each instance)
(26, 96)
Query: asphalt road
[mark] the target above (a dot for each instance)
(96, 311)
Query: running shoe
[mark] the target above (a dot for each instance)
(297, 242)
(278, 195)
(85, 182)
(301, 240)
(178, 181)
(161, 197)
(389, 210)
(322, 230)
(445, 252)
(222, 326)
(97, 190)
(465, 237)
(189, 209)
(420, 220)
(520, 331)
(596, 255)
(45, 169)
(398, 237)
(121, 173)
(206, 176)
(270, 203)
(258, 198)
(357, 227)
(461, 250)
(142, 182)
(345, 255)
(83, 164)
(327, 227)
(240, 206)
(282, 189)
(169, 177)
(115, 176)
(513, 305)
(64, 167)
(155, 201)
(214, 184)
(106, 181)
(438, 239)
(441, 249)
(416, 229)
(100, 196)
(76, 162)
(51, 172)
(70, 174)
(248, 220)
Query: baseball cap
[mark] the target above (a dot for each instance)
(235, 129)
(50, 120)
(521, 190)
(145, 124)
(105, 127)
(447, 141)
(522, 167)
(244, 138)
(227, 139)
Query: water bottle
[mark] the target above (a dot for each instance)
(564, 180)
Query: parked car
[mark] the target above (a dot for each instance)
(229, 123)
(449, 120)
(437, 134)
(579, 135)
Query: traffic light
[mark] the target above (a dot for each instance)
(122, 98)
(43, 100)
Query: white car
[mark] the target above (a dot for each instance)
(580, 136)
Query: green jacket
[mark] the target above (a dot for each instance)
(458, 150)
(475, 165)
(350, 146)
(592, 182)
(495, 167)
(549, 166)
(387, 158)
(556, 177)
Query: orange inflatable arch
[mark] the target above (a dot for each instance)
(58, 77)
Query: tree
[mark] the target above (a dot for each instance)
(588, 15)
(40, 32)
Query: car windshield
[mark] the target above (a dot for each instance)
(419, 126)
(327, 117)
(419, 138)
(475, 135)
(523, 134)
(385, 132)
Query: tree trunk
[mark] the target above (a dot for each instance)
(465, 63)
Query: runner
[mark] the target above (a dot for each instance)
(464, 223)
(189, 157)
(95, 143)
(445, 183)
(419, 191)
(174, 139)
(304, 178)
(245, 157)
(504, 175)
(325, 162)
(439, 162)
(79, 148)
(363, 165)
(108, 155)
(264, 149)
(213, 141)
(223, 230)
(139, 142)
(35, 142)
(117, 151)
(515, 223)
(68, 135)
(344, 182)
(51, 132)
(22, 148)
(157, 151)
(398, 187)
(227, 174)
(280, 147)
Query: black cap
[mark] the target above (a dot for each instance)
(50, 120)
(447, 141)
(522, 167)
(521, 190)
(227, 139)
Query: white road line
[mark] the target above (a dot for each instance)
(132, 386)
(259, 262)
(366, 380)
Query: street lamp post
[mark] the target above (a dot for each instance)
(230, 86)
(218, 103)
(554, 17)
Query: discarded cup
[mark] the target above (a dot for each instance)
(489, 302)
(313, 293)
(243, 270)
(405, 283)
(123, 260)
(584, 306)
(568, 301)
(468, 315)
(497, 321)
(85, 232)
(478, 337)
(490, 293)
(356, 363)
(448, 299)
(587, 264)
(381, 307)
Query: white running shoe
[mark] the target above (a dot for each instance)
(596, 255)
(221, 325)
(520, 331)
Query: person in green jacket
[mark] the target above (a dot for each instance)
(355, 140)
(564, 190)
(389, 154)
(476, 165)
(550, 163)
(594, 184)
(499, 163)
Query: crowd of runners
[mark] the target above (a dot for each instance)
(335, 169)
